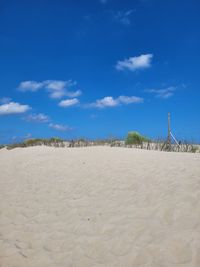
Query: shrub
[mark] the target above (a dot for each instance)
(12, 146)
(194, 149)
(135, 138)
(55, 140)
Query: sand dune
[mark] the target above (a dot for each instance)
(99, 206)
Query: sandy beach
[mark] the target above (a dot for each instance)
(99, 206)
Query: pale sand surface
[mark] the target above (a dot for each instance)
(99, 206)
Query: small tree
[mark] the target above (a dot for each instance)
(135, 138)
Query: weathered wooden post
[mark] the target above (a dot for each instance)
(169, 134)
(167, 143)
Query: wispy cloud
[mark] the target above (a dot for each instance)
(5, 100)
(60, 127)
(27, 136)
(68, 102)
(13, 108)
(30, 86)
(135, 63)
(74, 94)
(130, 99)
(56, 89)
(20, 138)
(123, 17)
(162, 93)
(40, 118)
(93, 116)
(103, 1)
(109, 101)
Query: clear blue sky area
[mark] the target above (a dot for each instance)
(99, 68)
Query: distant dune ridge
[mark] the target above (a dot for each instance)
(136, 141)
(99, 206)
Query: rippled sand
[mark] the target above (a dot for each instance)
(99, 206)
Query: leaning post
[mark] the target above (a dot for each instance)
(169, 133)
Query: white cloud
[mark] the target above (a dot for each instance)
(60, 127)
(68, 102)
(124, 17)
(162, 93)
(74, 94)
(55, 85)
(57, 94)
(109, 101)
(41, 118)
(13, 108)
(130, 99)
(30, 86)
(56, 89)
(135, 63)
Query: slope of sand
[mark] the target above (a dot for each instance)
(99, 206)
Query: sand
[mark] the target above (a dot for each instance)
(99, 206)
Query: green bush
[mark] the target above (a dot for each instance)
(55, 140)
(194, 149)
(135, 138)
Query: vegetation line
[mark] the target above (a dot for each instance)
(133, 140)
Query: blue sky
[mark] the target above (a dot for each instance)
(99, 68)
